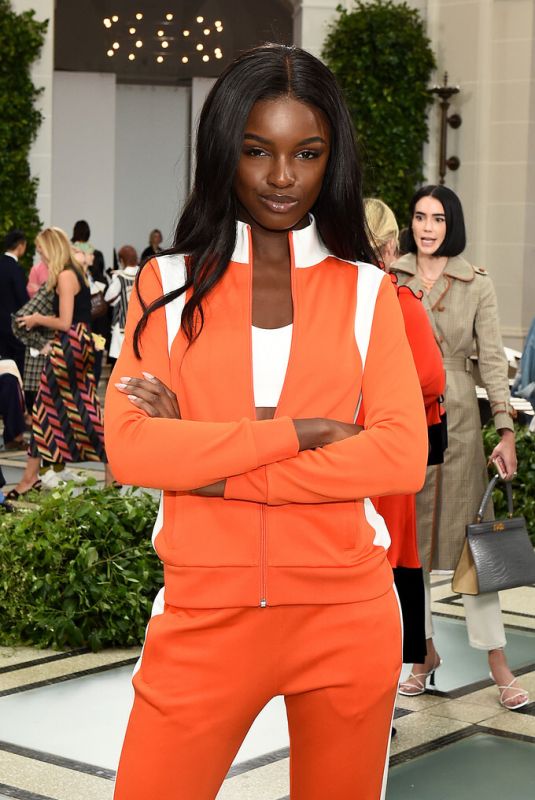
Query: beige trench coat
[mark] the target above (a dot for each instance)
(463, 312)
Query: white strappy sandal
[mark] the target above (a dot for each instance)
(420, 678)
(518, 693)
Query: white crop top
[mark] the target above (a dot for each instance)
(271, 351)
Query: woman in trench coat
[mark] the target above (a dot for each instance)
(461, 303)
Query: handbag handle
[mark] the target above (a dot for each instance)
(488, 492)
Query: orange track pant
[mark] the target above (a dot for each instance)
(205, 675)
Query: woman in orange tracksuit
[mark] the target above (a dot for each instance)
(243, 368)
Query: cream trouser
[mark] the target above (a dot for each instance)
(483, 618)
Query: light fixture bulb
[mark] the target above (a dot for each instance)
(169, 17)
(115, 45)
(219, 28)
(139, 15)
(160, 33)
(185, 59)
(107, 22)
(185, 33)
(217, 23)
(206, 31)
(139, 43)
(159, 59)
(219, 55)
(200, 47)
(206, 58)
(131, 30)
(200, 19)
(115, 18)
(131, 57)
(165, 44)
(111, 53)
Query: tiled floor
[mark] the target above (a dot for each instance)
(62, 717)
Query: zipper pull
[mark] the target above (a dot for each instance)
(263, 603)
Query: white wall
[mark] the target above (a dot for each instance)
(83, 150)
(151, 161)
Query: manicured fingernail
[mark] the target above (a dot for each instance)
(133, 398)
(149, 377)
(125, 380)
(120, 385)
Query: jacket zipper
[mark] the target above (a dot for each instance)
(263, 557)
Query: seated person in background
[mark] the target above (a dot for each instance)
(155, 241)
(12, 405)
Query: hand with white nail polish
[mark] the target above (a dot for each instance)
(150, 395)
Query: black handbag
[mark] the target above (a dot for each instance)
(496, 555)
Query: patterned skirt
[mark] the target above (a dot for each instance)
(67, 420)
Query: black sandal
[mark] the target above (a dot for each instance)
(14, 495)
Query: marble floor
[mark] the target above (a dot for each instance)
(62, 717)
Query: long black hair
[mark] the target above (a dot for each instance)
(455, 239)
(206, 230)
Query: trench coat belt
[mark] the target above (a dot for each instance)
(459, 364)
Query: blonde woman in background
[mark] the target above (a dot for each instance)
(66, 417)
(399, 511)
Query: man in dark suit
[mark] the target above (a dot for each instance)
(13, 295)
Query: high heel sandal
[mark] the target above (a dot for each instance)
(13, 494)
(519, 691)
(420, 685)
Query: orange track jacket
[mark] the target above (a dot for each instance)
(293, 527)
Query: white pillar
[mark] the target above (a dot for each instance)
(42, 76)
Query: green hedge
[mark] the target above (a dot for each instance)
(383, 61)
(79, 569)
(524, 483)
(21, 40)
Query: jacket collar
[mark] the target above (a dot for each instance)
(307, 245)
(456, 267)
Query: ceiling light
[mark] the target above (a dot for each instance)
(115, 45)
(200, 19)
(169, 17)
(139, 15)
(206, 31)
(217, 23)
(107, 22)
(159, 59)
(219, 55)
(185, 59)
(186, 33)
(165, 44)
(131, 30)
(111, 53)
(206, 58)
(139, 43)
(219, 28)
(131, 57)
(115, 18)
(200, 47)
(160, 33)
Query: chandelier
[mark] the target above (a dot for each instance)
(165, 40)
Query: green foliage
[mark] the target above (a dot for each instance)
(524, 483)
(78, 570)
(383, 61)
(21, 40)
